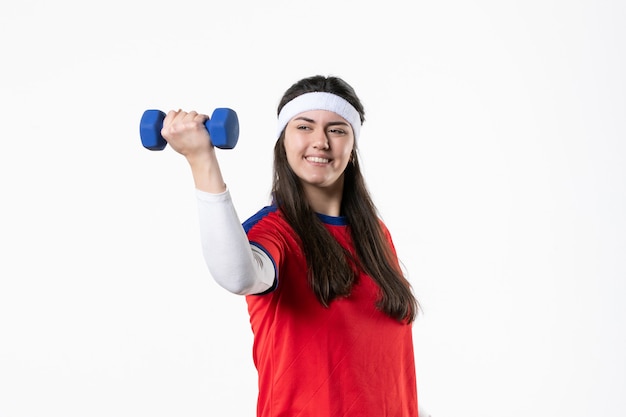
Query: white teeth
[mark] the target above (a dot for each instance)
(318, 160)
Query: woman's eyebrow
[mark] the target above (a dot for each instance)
(338, 123)
(306, 119)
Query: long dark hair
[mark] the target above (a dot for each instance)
(331, 268)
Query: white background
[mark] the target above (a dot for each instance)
(494, 146)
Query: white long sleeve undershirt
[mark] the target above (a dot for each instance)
(234, 263)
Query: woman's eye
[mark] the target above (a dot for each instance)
(302, 127)
(337, 131)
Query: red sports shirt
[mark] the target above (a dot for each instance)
(348, 360)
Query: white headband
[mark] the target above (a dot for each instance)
(319, 101)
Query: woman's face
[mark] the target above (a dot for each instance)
(318, 144)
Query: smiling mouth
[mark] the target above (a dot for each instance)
(317, 159)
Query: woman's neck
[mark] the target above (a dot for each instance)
(325, 200)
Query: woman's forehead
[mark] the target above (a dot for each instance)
(319, 116)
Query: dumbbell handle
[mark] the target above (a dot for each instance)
(223, 127)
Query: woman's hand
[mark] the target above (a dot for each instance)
(186, 133)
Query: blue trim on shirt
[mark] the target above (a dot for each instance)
(249, 224)
(330, 220)
(333, 220)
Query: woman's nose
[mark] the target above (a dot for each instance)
(321, 140)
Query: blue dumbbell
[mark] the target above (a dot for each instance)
(223, 127)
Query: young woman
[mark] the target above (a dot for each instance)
(330, 309)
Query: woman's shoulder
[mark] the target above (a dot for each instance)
(267, 213)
